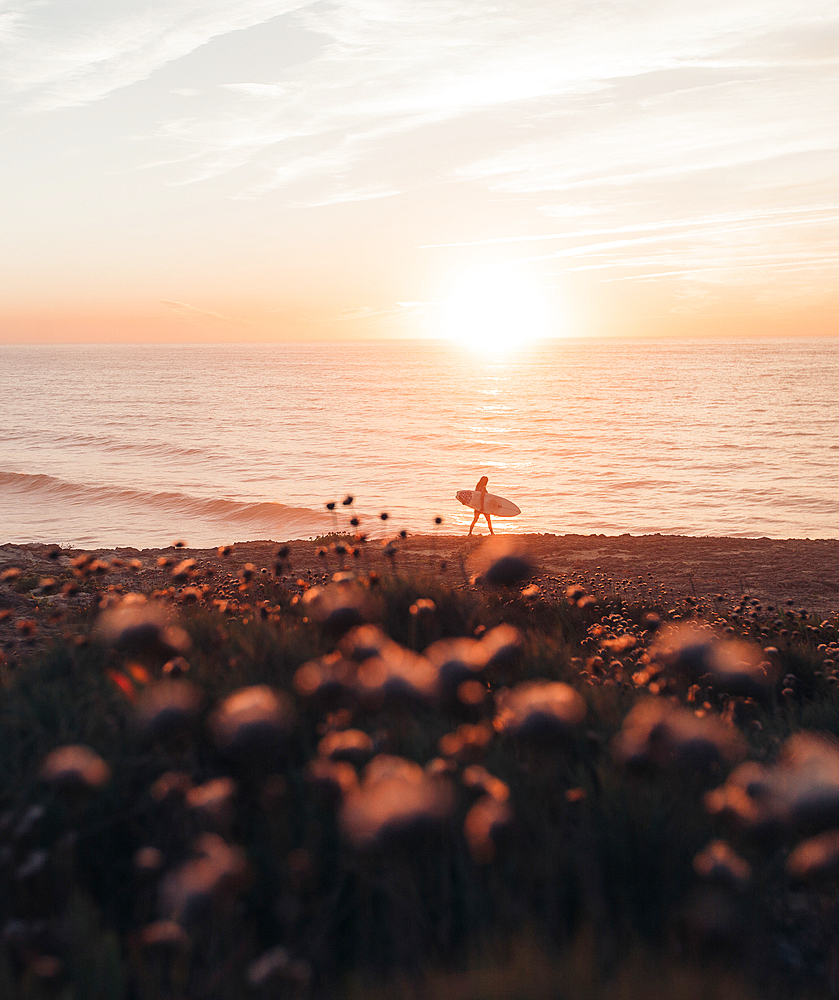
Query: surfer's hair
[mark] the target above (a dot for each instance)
(482, 482)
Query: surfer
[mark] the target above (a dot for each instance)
(481, 488)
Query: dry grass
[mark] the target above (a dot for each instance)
(219, 861)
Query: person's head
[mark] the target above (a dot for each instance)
(482, 482)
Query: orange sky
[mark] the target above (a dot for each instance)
(275, 169)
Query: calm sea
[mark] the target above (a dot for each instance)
(144, 444)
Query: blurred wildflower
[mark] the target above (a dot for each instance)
(138, 673)
(339, 606)
(396, 798)
(816, 859)
(75, 768)
(364, 641)
(148, 860)
(176, 667)
(455, 661)
(477, 779)
(501, 645)
(387, 672)
(539, 711)
(485, 823)
(162, 939)
(468, 743)
(140, 628)
(657, 733)
(396, 676)
(167, 709)
(503, 562)
(210, 879)
(253, 724)
(123, 683)
(350, 745)
(214, 802)
(733, 666)
(330, 779)
(719, 862)
(173, 786)
(329, 680)
(183, 571)
(800, 791)
(276, 976)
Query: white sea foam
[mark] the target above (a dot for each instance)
(139, 444)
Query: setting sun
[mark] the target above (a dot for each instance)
(494, 306)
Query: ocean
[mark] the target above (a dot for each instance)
(144, 444)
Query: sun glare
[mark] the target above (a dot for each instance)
(494, 307)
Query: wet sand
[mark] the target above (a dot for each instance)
(773, 571)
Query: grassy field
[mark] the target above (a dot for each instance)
(402, 784)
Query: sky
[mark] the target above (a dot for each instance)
(198, 170)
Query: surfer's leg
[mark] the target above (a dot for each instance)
(489, 523)
(474, 521)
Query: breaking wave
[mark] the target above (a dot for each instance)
(168, 510)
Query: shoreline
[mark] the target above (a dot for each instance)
(774, 571)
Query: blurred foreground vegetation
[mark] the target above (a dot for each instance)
(257, 785)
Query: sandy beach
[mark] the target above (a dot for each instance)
(775, 572)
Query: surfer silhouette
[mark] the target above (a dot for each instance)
(481, 488)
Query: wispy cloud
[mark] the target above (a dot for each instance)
(403, 318)
(55, 54)
(580, 95)
(613, 112)
(723, 247)
(194, 314)
(797, 214)
(367, 192)
(702, 231)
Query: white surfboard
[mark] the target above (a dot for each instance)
(487, 503)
